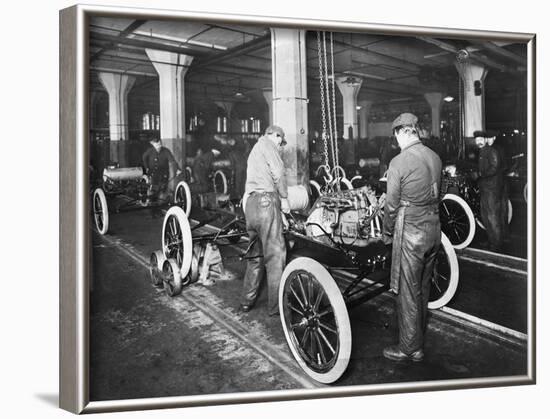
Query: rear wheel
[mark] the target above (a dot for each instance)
(172, 278)
(182, 197)
(457, 220)
(177, 242)
(101, 211)
(315, 320)
(445, 279)
(220, 182)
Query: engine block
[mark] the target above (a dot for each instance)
(352, 217)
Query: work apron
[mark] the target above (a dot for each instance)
(395, 275)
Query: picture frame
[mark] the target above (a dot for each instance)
(75, 209)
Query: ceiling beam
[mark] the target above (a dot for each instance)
(125, 32)
(245, 48)
(475, 57)
(94, 36)
(504, 52)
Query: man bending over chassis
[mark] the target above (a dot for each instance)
(411, 222)
(156, 161)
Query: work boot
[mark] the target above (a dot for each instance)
(395, 354)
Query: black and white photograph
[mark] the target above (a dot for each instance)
(287, 210)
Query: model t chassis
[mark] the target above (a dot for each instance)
(323, 279)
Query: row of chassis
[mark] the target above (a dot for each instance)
(322, 280)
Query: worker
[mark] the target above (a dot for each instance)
(156, 162)
(202, 169)
(493, 199)
(411, 225)
(266, 196)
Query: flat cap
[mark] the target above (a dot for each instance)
(404, 119)
(275, 129)
(485, 134)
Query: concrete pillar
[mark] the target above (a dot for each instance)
(474, 106)
(364, 118)
(268, 95)
(171, 68)
(435, 100)
(349, 88)
(117, 86)
(288, 58)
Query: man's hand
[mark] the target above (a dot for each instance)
(285, 207)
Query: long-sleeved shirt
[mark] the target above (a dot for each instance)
(157, 164)
(265, 169)
(491, 168)
(414, 176)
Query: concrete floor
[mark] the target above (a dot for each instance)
(145, 344)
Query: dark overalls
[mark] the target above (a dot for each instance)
(493, 200)
(411, 221)
(157, 166)
(202, 169)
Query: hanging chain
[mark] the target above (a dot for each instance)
(335, 135)
(329, 109)
(322, 90)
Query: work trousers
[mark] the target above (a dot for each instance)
(494, 214)
(419, 247)
(264, 226)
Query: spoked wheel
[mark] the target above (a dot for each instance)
(171, 278)
(315, 320)
(156, 261)
(457, 220)
(182, 197)
(510, 215)
(101, 211)
(525, 193)
(177, 242)
(220, 182)
(445, 279)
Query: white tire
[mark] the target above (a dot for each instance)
(182, 197)
(100, 211)
(177, 242)
(315, 191)
(510, 215)
(457, 220)
(446, 274)
(315, 320)
(220, 180)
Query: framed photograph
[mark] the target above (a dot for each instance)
(260, 209)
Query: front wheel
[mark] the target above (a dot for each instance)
(445, 278)
(457, 220)
(315, 320)
(101, 211)
(220, 182)
(172, 278)
(177, 242)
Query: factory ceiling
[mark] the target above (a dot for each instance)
(233, 62)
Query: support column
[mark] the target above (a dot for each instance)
(474, 105)
(171, 68)
(268, 95)
(349, 88)
(435, 100)
(117, 86)
(289, 109)
(364, 113)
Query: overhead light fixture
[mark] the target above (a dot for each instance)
(358, 108)
(239, 94)
(448, 99)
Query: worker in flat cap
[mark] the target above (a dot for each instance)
(159, 163)
(411, 225)
(492, 189)
(266, 195)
